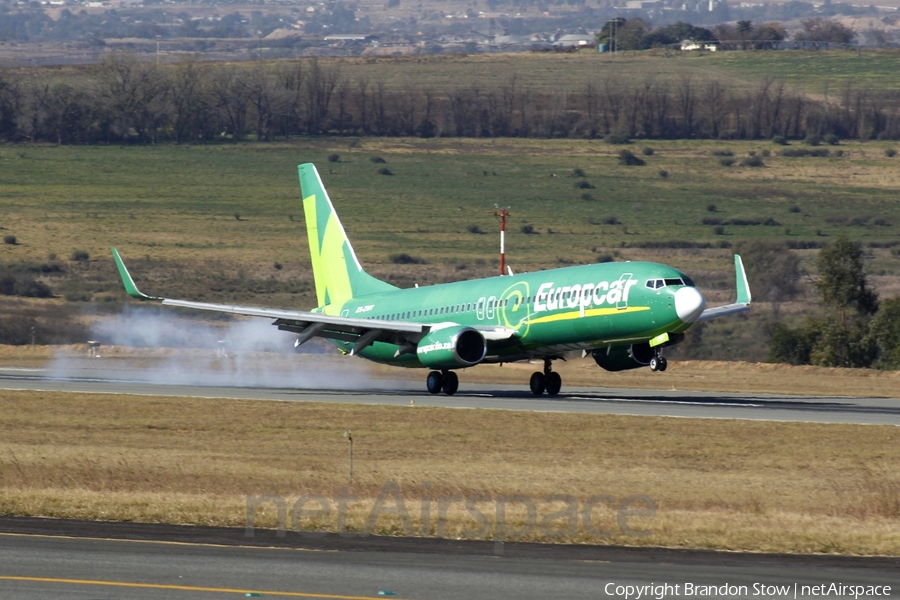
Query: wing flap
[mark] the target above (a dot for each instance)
(361, 332)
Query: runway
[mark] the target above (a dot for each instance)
(875, 411)
(219, 563)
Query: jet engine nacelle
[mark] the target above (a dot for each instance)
(622, 358)
(451, 348)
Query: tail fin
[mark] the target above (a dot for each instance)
(338, 274)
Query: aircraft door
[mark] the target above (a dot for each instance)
(623, 284)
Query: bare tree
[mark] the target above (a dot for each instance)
(232, 99)
(133, 93)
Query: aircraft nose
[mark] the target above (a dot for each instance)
(689, 303)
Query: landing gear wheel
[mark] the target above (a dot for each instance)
(538, 383)
(451, 383)
(434, 382)
(554, 383)
(654, 364)
(663, 364)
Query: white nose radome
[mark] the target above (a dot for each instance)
(689, 303)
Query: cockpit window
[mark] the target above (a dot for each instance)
(655, 284)
(688, 281)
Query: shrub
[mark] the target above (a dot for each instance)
(799, 152)
(831, 139)
(647, 151)
(528, 230)
(377, 160)
(770, 222)
(726, 161)
(711, 208)
(711, 221)
(627, 157)
(752, 161)
(80, 255)
(662, 173)
(22, 284)
(278, 266)
(385, 171)
(474, 229)
(605, 258)
(584, 185)
(794, 209)
(611, 220)
(838, 153)
(617, 138)
(766, 153)
(406, 259)
(779, 140)
(587, 197)
(719, 230)
(334, 158)
(10, 239)
(812, 140)
(721, 152)
(890, 152)
(577, 172)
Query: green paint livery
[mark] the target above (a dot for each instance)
(622, 314)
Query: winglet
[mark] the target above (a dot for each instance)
(741, 283)
(127, 280)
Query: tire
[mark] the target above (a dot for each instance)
(554, 383)
(663, 364)
(538, 383)
(451, 383)
(654, 364)
(434, 382)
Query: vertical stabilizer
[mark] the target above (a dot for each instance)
(338, 274)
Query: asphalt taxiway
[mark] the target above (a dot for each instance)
(86, 560)
(875, 411)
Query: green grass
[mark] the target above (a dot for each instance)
(550, 72)
(812, 71)
(171, 210)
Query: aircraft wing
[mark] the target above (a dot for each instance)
(362, 332)
(742, 302)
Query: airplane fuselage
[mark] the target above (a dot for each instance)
(551, 312)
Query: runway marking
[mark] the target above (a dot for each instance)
(181, 588)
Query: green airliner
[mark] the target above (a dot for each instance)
(623, 314)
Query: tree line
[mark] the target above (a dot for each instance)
(637, 34)
(123, 100)
(855, 329)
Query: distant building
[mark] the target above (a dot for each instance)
(574, 40)
(692, 45)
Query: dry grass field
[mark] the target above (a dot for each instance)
(738, 485)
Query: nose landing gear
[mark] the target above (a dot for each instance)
(548, 381)
(658, 362)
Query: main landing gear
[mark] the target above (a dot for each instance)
(549, 381)
(658, 362)
(442, 380)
